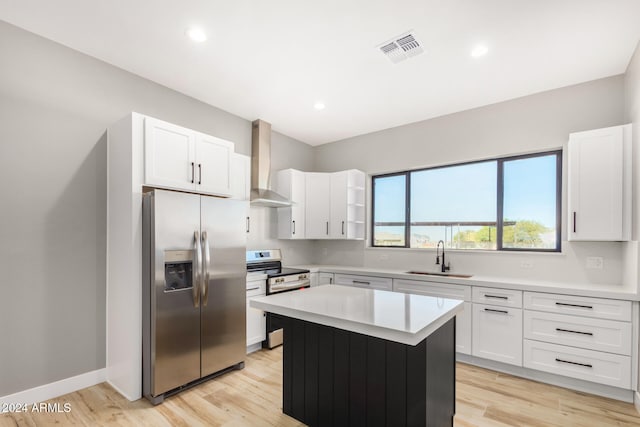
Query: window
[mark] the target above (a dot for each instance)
(389, 206)
(510, 203)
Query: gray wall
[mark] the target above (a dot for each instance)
(534, 123)
(55, 105)
(285, 153)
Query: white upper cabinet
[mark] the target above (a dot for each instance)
(240, 176)
(338, 205)
(347, 205)
(169, 159)
(290, 183)
(318, 205)
(213, 164)
(182, 159)
(600, 185)
(335, 205)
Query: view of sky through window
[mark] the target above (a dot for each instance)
(460, 204)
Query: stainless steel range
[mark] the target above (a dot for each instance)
(279, 279)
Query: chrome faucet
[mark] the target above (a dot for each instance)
(444, 267)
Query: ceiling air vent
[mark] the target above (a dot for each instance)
(401, 47)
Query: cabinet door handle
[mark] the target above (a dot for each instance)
(331, 280)
(574, 332)
(586, 365)
(248, 224)
(193, 172)
(574, 305)
(294, 227)
(495, 296)
(496, 311)
(327, 228)
(574, 221)
(253, 289)
(343, 228)
(361, 282)
(199, 173)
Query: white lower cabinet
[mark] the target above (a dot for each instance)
(325, 278)
(580, 337)
(600, 308)
(314, 278)
(444, 290)
(497, 333)
(370, 282)
(318, 279)
(256, 319)
(596, 366)
(589, 333)
(496, 296)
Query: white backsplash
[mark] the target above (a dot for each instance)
(570, 266)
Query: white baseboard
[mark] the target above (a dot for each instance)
(55, 389)
(254, 347)
(636, 401)
(129, 397)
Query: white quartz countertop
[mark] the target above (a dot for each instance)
(403, 318)
(590, 290)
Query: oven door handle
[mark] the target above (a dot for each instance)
(290, 285)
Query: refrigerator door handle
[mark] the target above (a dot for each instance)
(197, 270)
(205, 268)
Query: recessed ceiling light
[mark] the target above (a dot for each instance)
(479, 50)
(319, 106)
(197, 35)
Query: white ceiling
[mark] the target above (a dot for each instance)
(273, 59)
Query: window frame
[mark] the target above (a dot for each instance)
(499, 200)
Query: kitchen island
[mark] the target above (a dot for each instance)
(357, 356)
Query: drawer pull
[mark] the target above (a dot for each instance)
(496, 296)
(586, 365)
(574, 332)
(574, 305)
(362, 282)
(496, 311)
(253, 289)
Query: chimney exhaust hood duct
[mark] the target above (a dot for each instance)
(261, 194)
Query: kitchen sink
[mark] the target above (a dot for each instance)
(433, 273)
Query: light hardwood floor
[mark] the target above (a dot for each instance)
(252, 397)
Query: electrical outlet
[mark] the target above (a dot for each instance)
(383, 257)
(595, 262)
(526, 264)
(325, 252)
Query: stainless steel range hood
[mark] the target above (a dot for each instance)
(261, 193)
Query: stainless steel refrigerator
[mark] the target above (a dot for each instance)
(194, 299)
